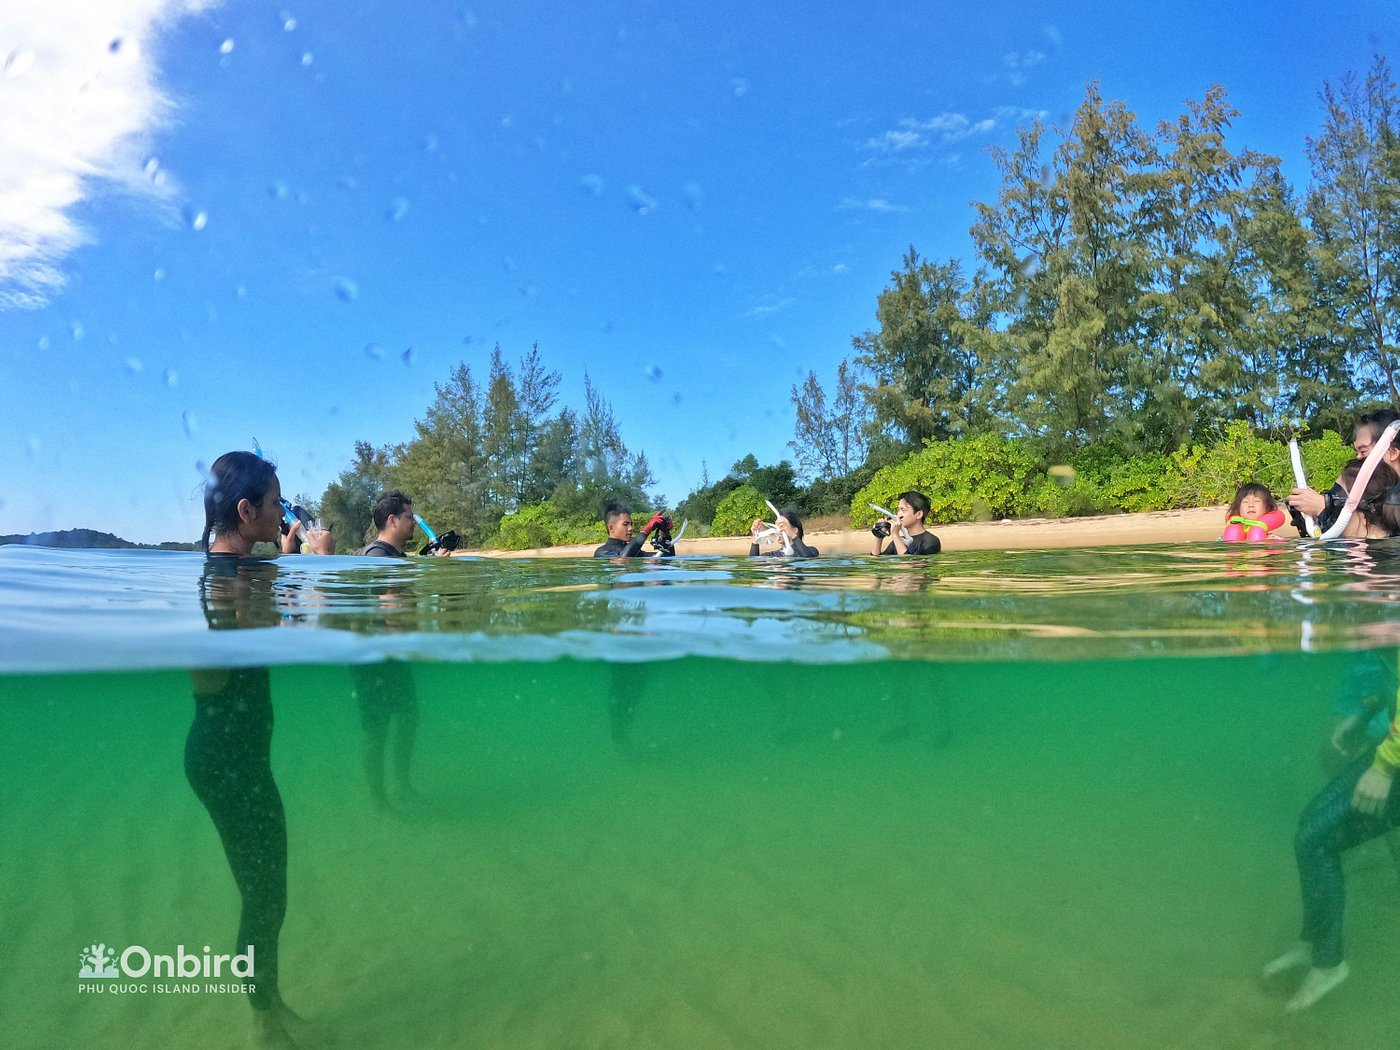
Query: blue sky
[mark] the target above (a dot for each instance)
(228, 220)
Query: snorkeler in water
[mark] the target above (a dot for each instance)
(787, 529)
(228, 749)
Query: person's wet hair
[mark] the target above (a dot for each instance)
(793, 519)
(917, 501)
(1253, 488)
(1373, 498)
(234, 477)
(1376, 422)
(391, 503)
(613, 511)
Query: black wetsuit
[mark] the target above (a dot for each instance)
(228, 764)
(799, 550)
(1328, 828)
(616, 548)
(384, 690)
(924, 543)
(382, 549)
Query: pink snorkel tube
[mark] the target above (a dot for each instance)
(1363, 476)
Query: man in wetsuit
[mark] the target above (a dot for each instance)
(617, 519)
(393, 517)
(905, 530)
(386, 691)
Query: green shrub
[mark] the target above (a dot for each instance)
(737, 511)
(540, 525)
(1143, 483)
(975, 478)
(1323, 460)
(993, 477)
(1068, 497)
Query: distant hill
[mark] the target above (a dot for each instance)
(89, 538)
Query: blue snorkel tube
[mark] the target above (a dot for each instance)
(448, 541)
(289, 513)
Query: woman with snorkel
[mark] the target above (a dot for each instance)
(228, 749)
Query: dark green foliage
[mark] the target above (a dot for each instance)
(482, 455)
(993, 477)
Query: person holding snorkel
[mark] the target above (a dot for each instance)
(228, 760)
(905, 528)
(1359, 804)
(787, 528)
(1326, 506)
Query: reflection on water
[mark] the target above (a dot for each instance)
(136, 610)
(704, 803)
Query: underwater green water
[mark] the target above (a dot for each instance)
(713, 845)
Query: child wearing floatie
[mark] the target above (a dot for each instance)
(1253, 515)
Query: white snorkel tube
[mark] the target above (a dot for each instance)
(903, 532)
(1363, 476)
(1301, 480)
(771, 527)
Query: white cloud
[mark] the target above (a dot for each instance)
(79, 107)
(871, 204)
(771, 305)
(914, 134)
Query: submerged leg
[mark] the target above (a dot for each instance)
(228, 764)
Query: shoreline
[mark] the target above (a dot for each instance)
(1194, 525)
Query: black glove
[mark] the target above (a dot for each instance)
(881, 529)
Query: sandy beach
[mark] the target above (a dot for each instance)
(1112, 530)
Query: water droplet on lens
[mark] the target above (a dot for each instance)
(692, 194)
(32, 446)
(398, 208)
(151, 165)
(158, 274)
(739, 86)
(676, 398)
(430, 143)
(653, 373)
(374, 351)
(279, 191)
(289, 21)
(346, 290)
(640, 201)
(44, 342)
(197, 220)
(133, 365)
(115, 45)
(307, 58)
(592, 185)
(226, 48)
(172, 378)
(18, 62)
(77, 330)
(348, 182)
(408, 356)
(721, 269)
(190, 424)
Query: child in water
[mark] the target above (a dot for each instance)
(1253, 515)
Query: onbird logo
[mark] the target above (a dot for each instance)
(98, 961)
